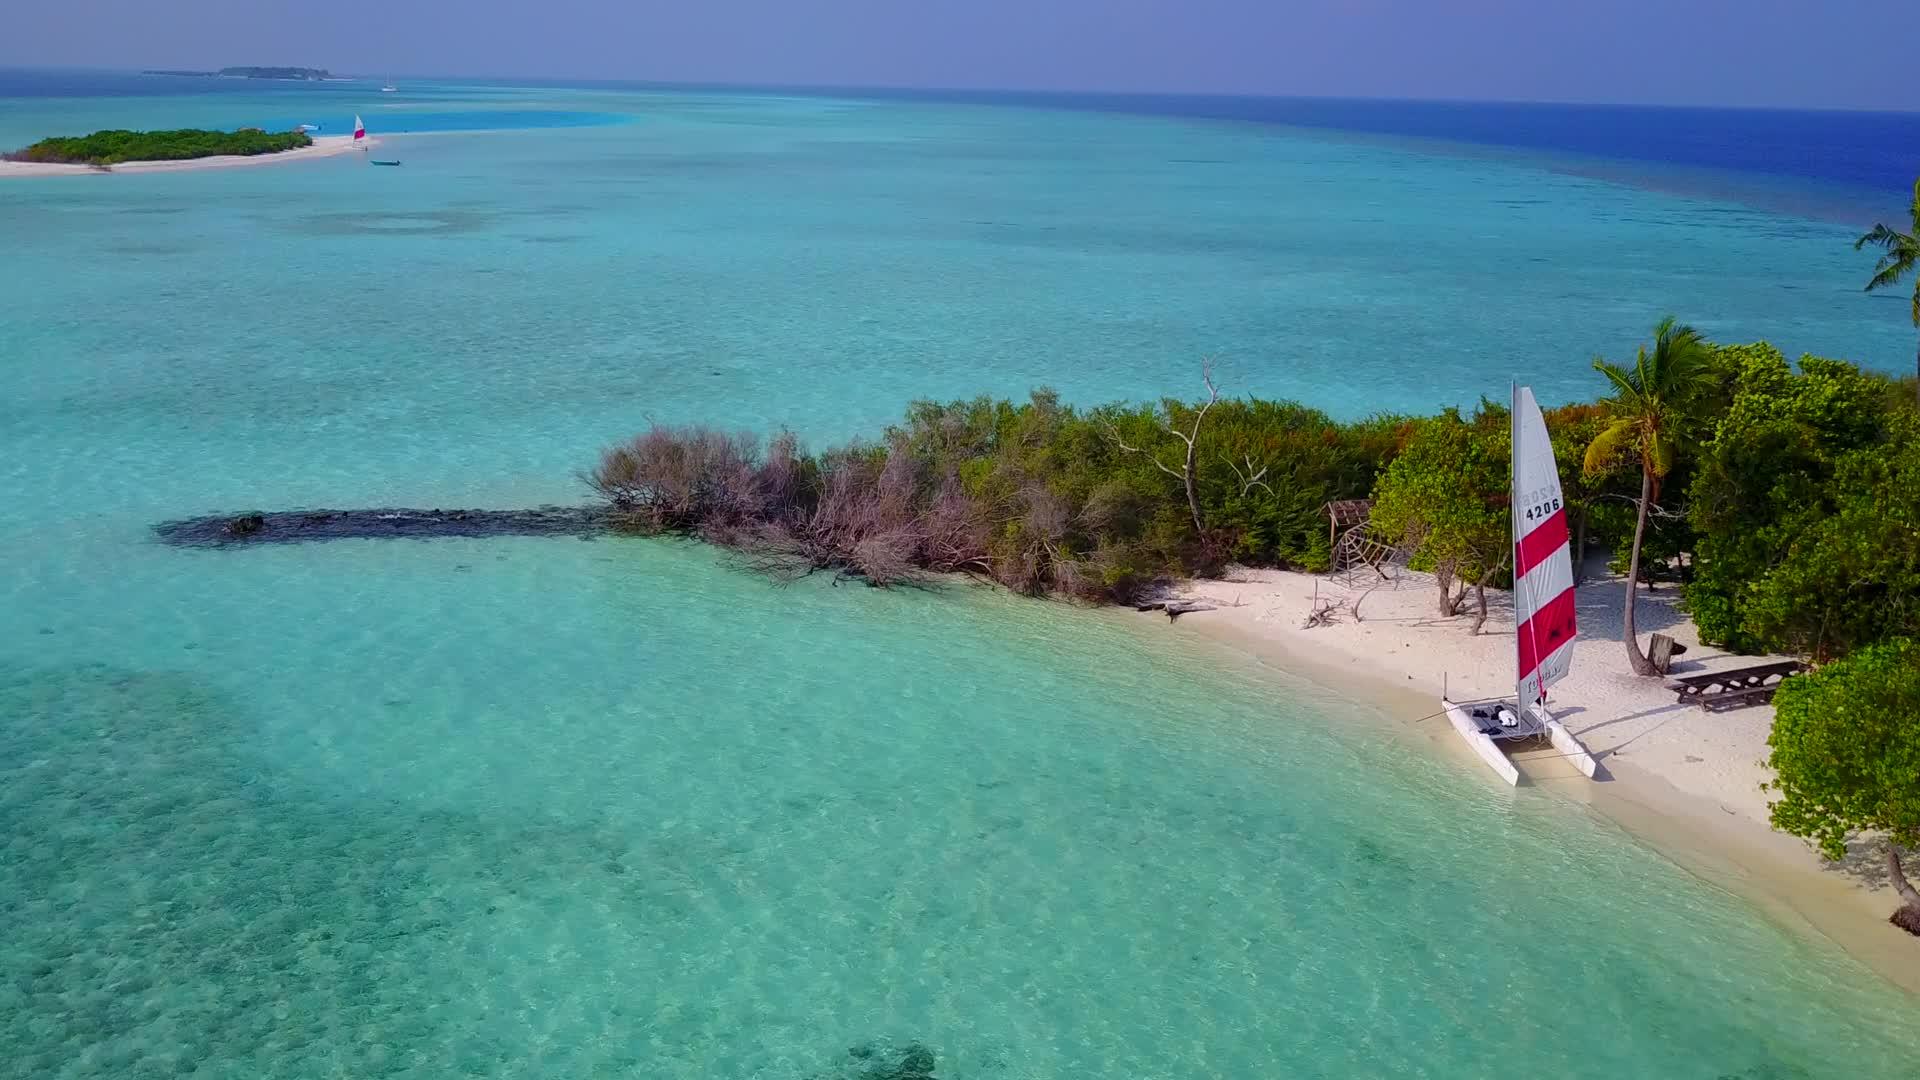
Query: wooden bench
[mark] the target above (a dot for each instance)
(1737, 688)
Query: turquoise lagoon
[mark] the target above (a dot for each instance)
(613, 808)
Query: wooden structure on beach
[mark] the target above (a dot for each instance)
(1723, 690)
(1345, 514)
(1351, 541)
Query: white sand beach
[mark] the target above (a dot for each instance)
(1685, 780)
(323, 146)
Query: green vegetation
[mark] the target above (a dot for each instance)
(1444, 500)
(1899, 256)
(1846, 748)
(114, 147)
(1040, 496)
(1647, 420)
(1806, 504)
(1784, 502)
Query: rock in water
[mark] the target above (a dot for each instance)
(879, 1061)
(916, 1063)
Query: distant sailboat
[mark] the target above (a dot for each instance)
(1543, 610)
(360, 141)
(389, 88)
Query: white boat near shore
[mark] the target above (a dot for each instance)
(1489, 726)
(1545, 624)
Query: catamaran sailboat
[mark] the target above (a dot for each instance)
(1542, 608)
(361, 142)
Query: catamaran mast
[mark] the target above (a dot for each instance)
(1520, 703)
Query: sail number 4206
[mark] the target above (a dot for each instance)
(1543, 510)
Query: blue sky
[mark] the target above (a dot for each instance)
(1760, 52)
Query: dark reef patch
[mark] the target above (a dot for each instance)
(396, 523)
(883, 1061)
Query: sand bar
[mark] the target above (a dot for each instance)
(323, 146)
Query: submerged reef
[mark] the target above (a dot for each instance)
(301, 526)
(881, 1060)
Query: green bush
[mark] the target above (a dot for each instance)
(117, 146)
(1846, 748)
(1804, 508)
(1444, 499)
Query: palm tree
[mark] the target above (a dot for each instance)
(1648, 410)
(1900, 254)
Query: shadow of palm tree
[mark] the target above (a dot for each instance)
(1602, 606)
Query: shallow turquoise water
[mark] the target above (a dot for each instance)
(614, 809)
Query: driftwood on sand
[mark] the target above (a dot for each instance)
(1173, 608)
(300, 526)
(1323, 613)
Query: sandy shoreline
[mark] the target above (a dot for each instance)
(1686, 782)
(323, 146)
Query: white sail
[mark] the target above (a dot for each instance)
(359, 132)
(1543, 610)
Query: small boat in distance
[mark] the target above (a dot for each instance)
(377, 161)
(389, 88)
(1543, 611)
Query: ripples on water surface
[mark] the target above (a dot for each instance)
(533, 807)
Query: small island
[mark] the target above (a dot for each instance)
(113, 147)
(298, 74)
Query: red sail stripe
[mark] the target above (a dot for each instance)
(1551, 627)
(1546, 538)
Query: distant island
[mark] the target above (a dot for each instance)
(300, 74)
(107, 148)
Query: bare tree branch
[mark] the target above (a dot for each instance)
(1249, 479)
(1114, 433)
(1188, 474)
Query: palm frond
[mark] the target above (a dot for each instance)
(1888, 274)
(1607, 445)
(1880, 237)
(1659, 456)
(1679, 368)
(1622, 379)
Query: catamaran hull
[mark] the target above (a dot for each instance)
(1571, 748)
(1485, 747)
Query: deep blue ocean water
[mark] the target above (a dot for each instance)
(1876, 152)
(617, 809)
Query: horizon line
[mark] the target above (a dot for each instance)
(830, 87)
